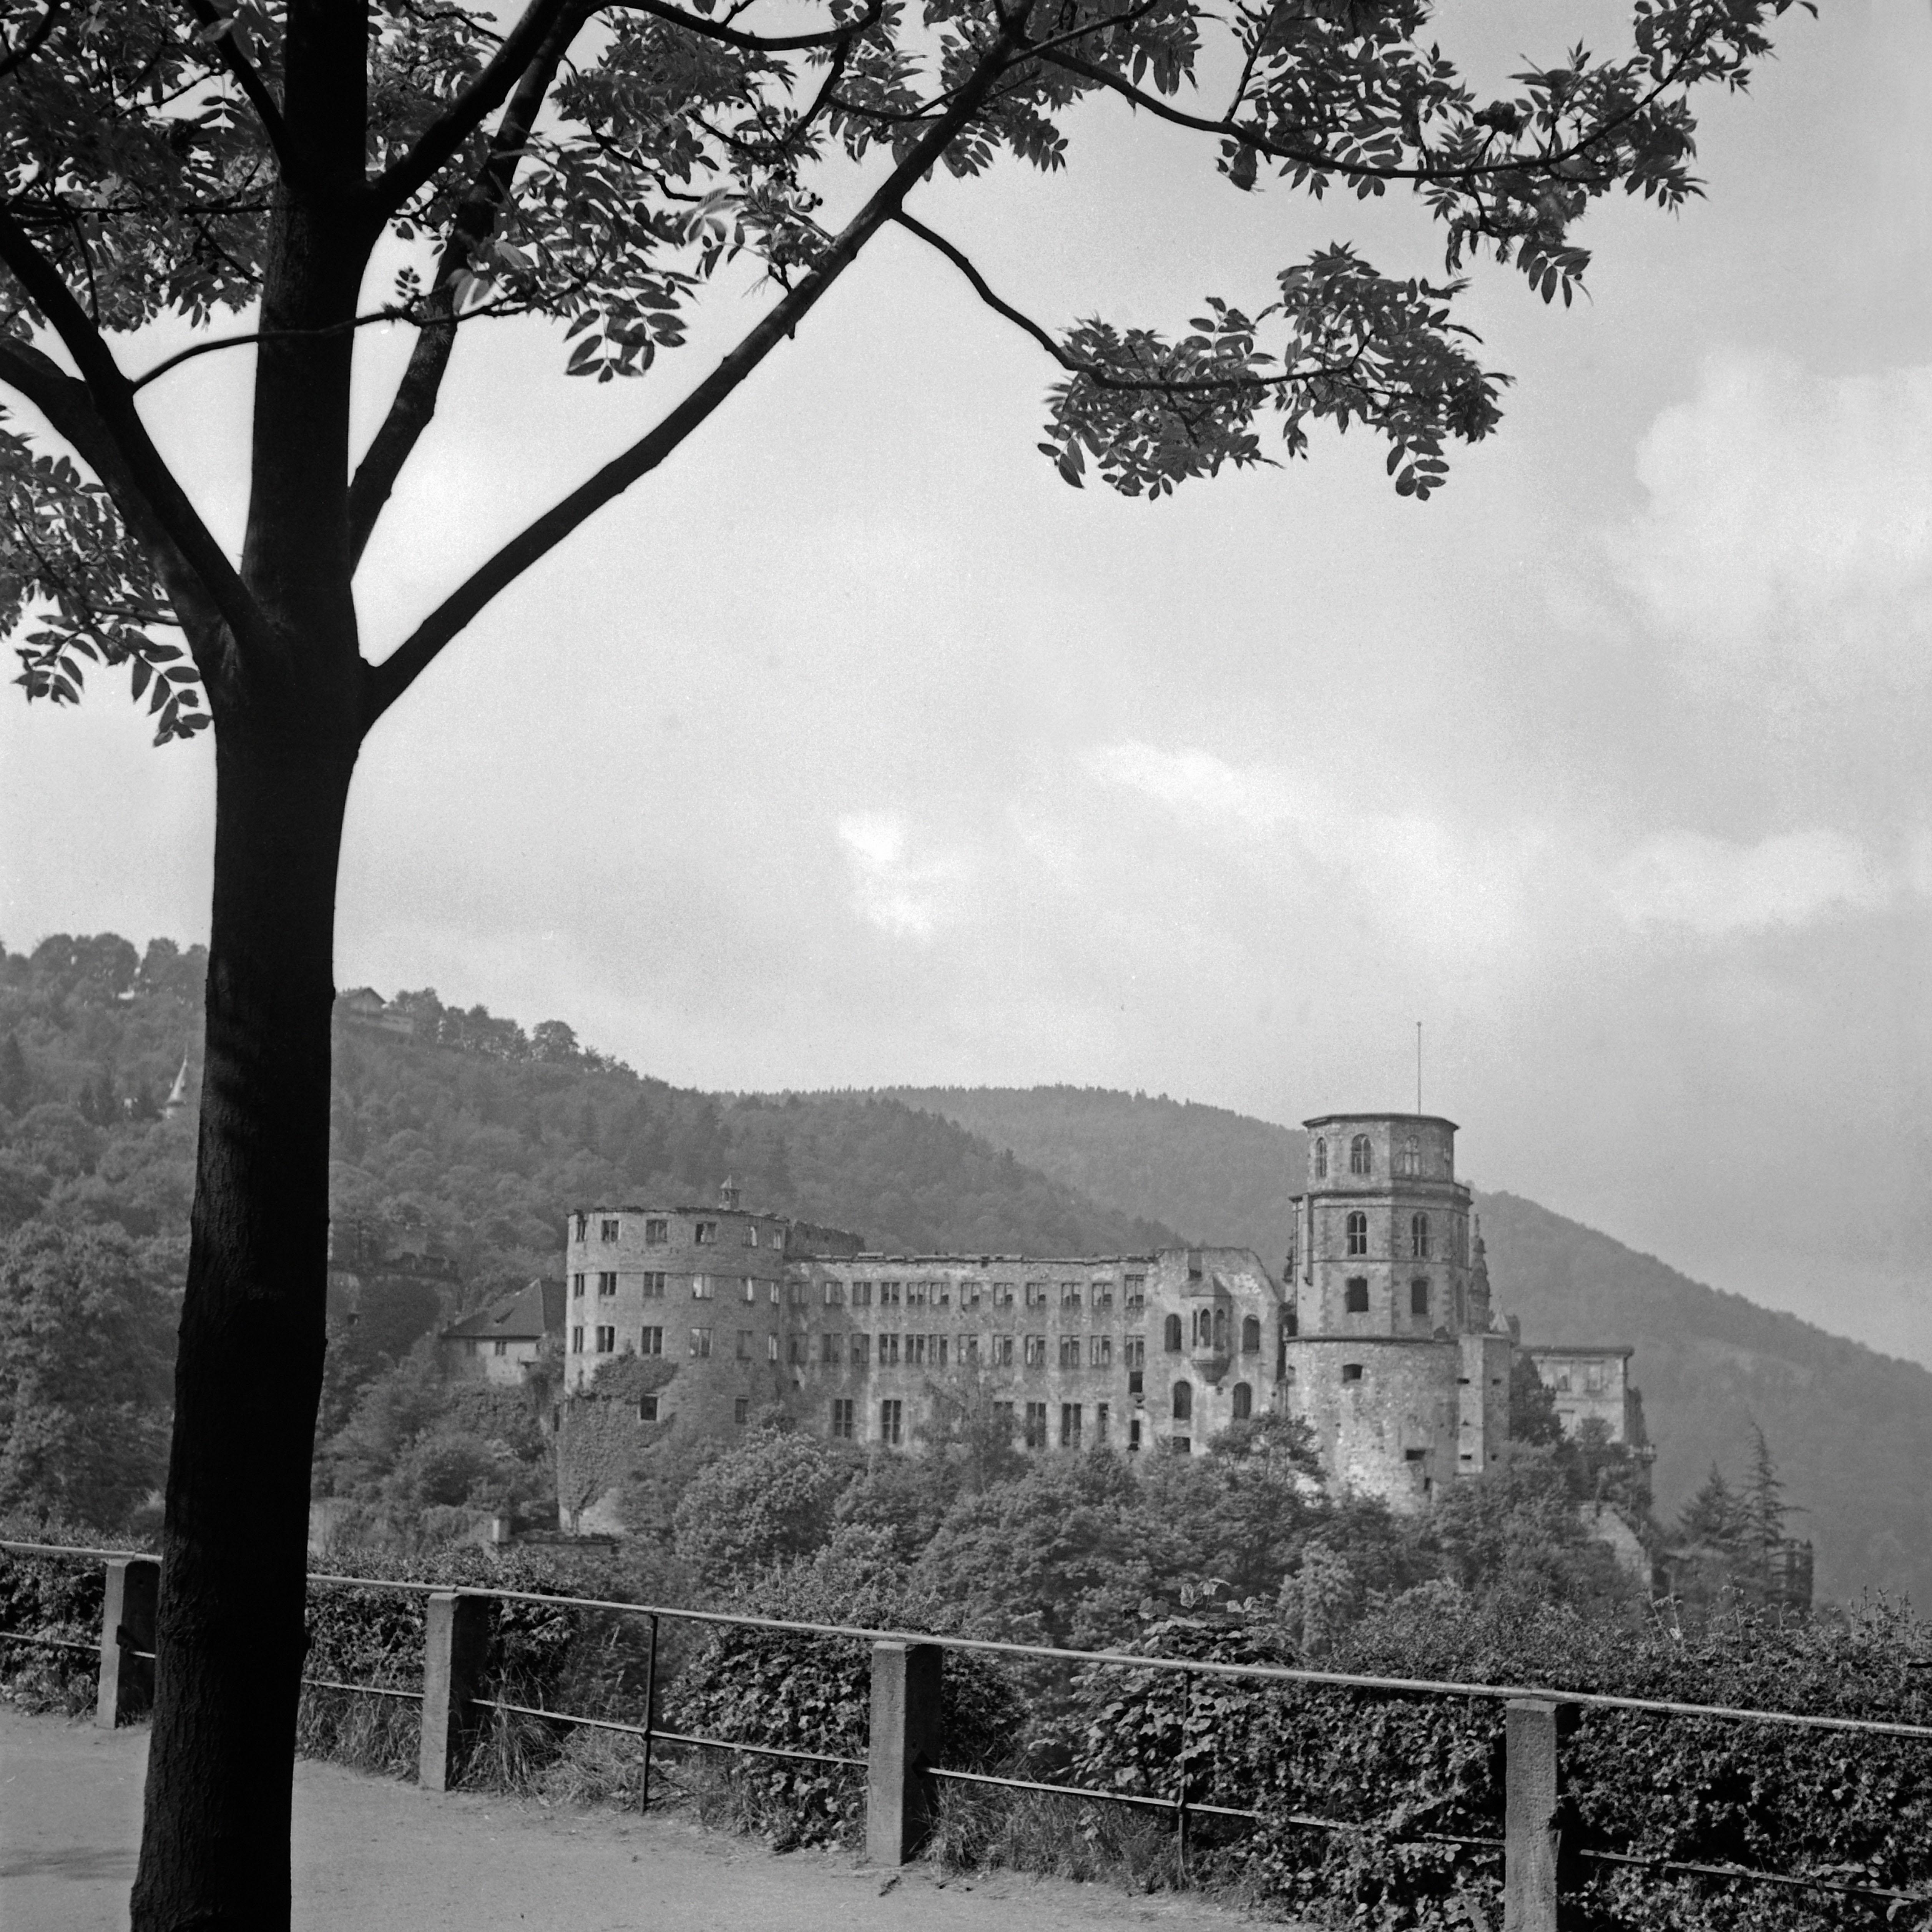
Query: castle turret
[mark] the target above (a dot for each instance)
(1391, 1358)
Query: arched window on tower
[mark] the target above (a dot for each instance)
(1172, 1334)
(1321, 1160)
(1356, 1230)
(1359, 1159)
(1251, 1335)
(1412, 1155)
(1244, 1402)
(1184, 1402)
(1418, 1237)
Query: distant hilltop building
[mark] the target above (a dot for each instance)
(365, 1006)
(1380, 1337)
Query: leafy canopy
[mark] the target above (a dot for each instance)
(599, 162)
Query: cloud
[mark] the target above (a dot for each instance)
(1715, 887)
(904, 897)
(1789, 515)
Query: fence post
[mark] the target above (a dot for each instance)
(904, 1741)
(126, 1625)
(1532, 1788)
(456, 1639)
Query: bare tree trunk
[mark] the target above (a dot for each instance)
(214, 1848)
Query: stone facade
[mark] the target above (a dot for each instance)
(502, 1342)
(1392, 1359)
(1380, 1336)
(1587, 1380)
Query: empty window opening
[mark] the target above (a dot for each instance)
(606, 1341)
(1244, 1402)
(609, 1230)
(1069, 1425)
(650, 1341)
(1321, 1160)
(701, 1342)
(647, 1408)
(657, 1233)
(1171, 1334)
(1251, 1335)
(1355, 1295)
(1418, 1296)
(1036, 1425)
(705, 1234)
(1184, 1402)
(741, 1410)
(1351, 1372)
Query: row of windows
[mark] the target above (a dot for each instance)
(1362, 1156)
(1355, 1295)
(1355, 1234)
(1208, 1329)
(655, 1285)
(657, 1232)
(976, 1294)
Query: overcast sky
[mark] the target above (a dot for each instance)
(855, 747)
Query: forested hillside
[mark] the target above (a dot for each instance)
(1852, 1428)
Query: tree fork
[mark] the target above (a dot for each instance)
(215, 1846)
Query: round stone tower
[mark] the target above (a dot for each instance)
(1392, 1361)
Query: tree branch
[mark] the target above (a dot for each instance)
(1075, 365)
(247, 77)
(1321, 159)
(413, 406)
(113, 403)
(36, 38)
(388, 680)
(713, 30)
(69, 406)
(216, 344)
(438, 143)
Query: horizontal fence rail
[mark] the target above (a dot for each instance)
(904, 1740)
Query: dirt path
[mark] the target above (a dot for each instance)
(371, 1854)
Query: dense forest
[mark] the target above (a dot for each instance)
(1853, 1428)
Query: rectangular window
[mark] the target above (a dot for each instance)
(606, 1341)
(775, 1296)
(939, 1351)
(1100, 1351)
(750, 1234)
(647, 1408)
(654, 1286)
(835, 1294)
(576, 1287)
(892, 1418)
(577, 1341)
(888, 1294)
(889, 1351)
(861, 1294)
(606, 1284)
(1418, 1298)
(1100, 1425)
(1036, 1294)
(1070, 1351)
(1003, 1351)
(1355, 1295)
(1133, 1434)
(741, 1409)
(751, 1288)
(795, 1293)
(1136, 1288)
(1069, 1425)
(797, 1351)
(842, 1417)
(744, 1345)
(969, 1351)
(915, 1351)
(771, 1348)
(1003, 1419)
(700, 1341)
(609, 1230)
(1036, 1425)
(1180, 1445)
(828, 1350)
(657, 1233)
(1351, 1372)
(1103, 1294)
(916, 1292)
(650, 1341)
(1133, 1351)
(502, 1347)
(1070, 1294)
(971, 1293)
(583, 1227)
(862, 1349)
(1593, 1378)
(942, 1295)
(702, 1287)
(704, 1234)
(1035, 1351)
(1002, 1294)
